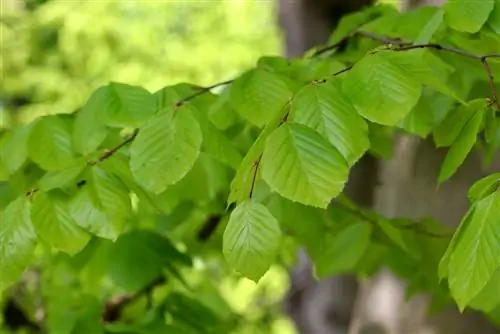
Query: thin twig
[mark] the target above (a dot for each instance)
(256, 166)
(327, 48)
(202, 91)
(491, 83)
(342, 71)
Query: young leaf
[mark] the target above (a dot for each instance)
(251, 240)
(258, 95)
(14, 149)
(300, 165)
(431, 26)
(421, 119)
(324, 108)
(343, 250)
(61, 178)
(88, 129)
(165, 149)
(461, 148)
(487, 299)
(55, 226)
(476, 256)
(50, 144)
(466, 15)
(128, 106)
(17, 240)
(484, 187)
(102, 206)
(381, 91)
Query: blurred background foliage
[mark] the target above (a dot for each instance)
(56, 53)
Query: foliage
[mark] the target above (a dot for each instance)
(138, 187)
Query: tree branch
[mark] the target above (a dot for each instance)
(491, 83)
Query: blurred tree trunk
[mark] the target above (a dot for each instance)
(404, 186)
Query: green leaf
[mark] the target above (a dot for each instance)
(215, 142)
(487, 299)
(344, 250)
(50, 144)
(476, 256)
(381, 91)
(102, 206)
(128, 106)
(491, 125)
(431, 27)
(17, 241)
(59, 179)
(251, 240)
(494, 20)
(55, 226)
(14, 149)
(139, 257)
(484, 187)
(448, 131)
(466, 15)
(88, 129)
(165, 149)
(300, 165)
(242, 181)
(258, 95)
(421, 119)
(324, 108)
(461, 147)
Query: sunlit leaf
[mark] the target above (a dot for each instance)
(302, 166)
(60, 178)
(55, 226)
(251, 239)
(14, 148)
(466, 15)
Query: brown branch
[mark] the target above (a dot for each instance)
(491, 83)
(256, 166)
(340, 44)
(201, 91)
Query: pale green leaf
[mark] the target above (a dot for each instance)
(127, 105)
(487, 299)
(17, 240)
(461, 147)
(165, 149)
(468, 15)
(258, 95)
(494, 19)
(251, 240)
(50, 144)
(324, 108)
(300, 165)
(88, 129)
(448, 131)
(381, 91)
(242, 181)
(476, 256)
(343, 250)
(61, 178)
(14, 149)
(55, 226)
(484, 187)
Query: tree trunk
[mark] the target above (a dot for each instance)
(407, 189)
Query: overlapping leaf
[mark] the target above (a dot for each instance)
(324, 108)
(165, 149)
(251, 239)
(14, 148)
(258, 95)
(55, 226)
(381, 91)
(302, 166)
